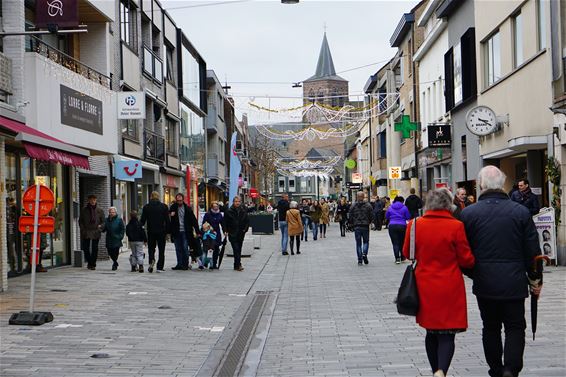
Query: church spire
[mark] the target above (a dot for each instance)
(325, 66)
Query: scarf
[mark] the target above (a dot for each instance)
(92, 209)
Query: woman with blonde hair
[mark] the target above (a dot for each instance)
(295, 224)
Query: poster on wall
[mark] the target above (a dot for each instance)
(546, 229)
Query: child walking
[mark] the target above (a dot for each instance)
(136, 238)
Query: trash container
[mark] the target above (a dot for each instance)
(78, 258)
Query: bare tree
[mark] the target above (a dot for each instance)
(263, 152)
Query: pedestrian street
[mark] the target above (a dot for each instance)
(321, 315)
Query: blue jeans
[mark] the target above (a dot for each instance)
(182, 249)
(314, 230)
(306, 222)
(362, 235)
(284, 228)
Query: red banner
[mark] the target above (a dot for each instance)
(63, 13)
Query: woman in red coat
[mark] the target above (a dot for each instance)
(441, 249)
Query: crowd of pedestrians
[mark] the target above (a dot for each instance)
(194, 244)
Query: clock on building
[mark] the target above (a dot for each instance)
(481, 121)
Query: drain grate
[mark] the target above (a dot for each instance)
(236, 352)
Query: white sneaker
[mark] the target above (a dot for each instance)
(438, 373)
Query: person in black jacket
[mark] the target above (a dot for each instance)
(413, 203)
(136, 239)
(378, 213)
(156, 215)
(236, 224)
(341, 216)
(523, 195)
(183, 222)
(503, 270)
(360, 217)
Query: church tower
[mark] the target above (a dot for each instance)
(325, 86)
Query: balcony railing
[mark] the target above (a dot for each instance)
(154, 146)
(36, 45)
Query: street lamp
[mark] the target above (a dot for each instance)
(289, 1)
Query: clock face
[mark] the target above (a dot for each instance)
(481, 120)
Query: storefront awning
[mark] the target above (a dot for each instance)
(44, 147)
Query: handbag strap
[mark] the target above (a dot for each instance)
(412, 240)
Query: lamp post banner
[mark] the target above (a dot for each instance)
(235, 168)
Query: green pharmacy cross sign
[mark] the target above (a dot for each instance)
(406, 126)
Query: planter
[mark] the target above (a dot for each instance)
(261, 224)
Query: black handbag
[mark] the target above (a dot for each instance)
(408, 296)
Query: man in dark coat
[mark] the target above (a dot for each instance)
(526, 197)
(413, 203)
(91, 221)
(156, 215)
(503, 270)
(183, 222)
(282, 208)
(378, 213)
(236, 223)
(360, 218)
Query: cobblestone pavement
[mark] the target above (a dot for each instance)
(330, 317)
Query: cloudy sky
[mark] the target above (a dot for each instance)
(262, 47)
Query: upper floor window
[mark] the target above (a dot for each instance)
(169, 67)
(130, 128)
(492, 59)
(518, 56)
(128, 24)
(541, 24)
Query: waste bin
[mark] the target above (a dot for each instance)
(78, 258)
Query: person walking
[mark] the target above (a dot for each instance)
(156, 215)
(236, 223)
(296, 227)
(413, 203)
(324, 218)
(378, 213)
(442, 295)
(136, 239)
(386, 205)
(282, 208)
(525, 196)
(183, 223)
(397, 215)
(306, 218)
(460, 201)
(91, 221)
(360, 218)
(215, 218)
(115, 229)
(316, 214)
(342, 210)
(502, 273)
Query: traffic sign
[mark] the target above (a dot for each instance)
(46, 200)
(45, 224)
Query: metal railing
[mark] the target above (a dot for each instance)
(36, 45)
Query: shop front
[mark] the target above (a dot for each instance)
(172, 185)
(48, 162)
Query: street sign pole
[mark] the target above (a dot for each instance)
(34, 248)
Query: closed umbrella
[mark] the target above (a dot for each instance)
(537, 268)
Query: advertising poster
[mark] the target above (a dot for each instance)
(544, 222)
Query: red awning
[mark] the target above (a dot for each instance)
(44, 147)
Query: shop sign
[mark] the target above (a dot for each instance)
(441, 185)
(128, 170)
(60, 13)
(171, 181)
(393, 194)
(394, 172)
(546, 228)
(353, 186)
(439, 135)
(357, 178)
(131, 105)
(80, 111)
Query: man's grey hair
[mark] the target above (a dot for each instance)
(491, 178)
(439, 199)
(360, 196)
(293, 204)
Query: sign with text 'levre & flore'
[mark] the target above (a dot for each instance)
(80, 111)
(59, 13)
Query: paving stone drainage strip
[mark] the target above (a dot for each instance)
(227, 357)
